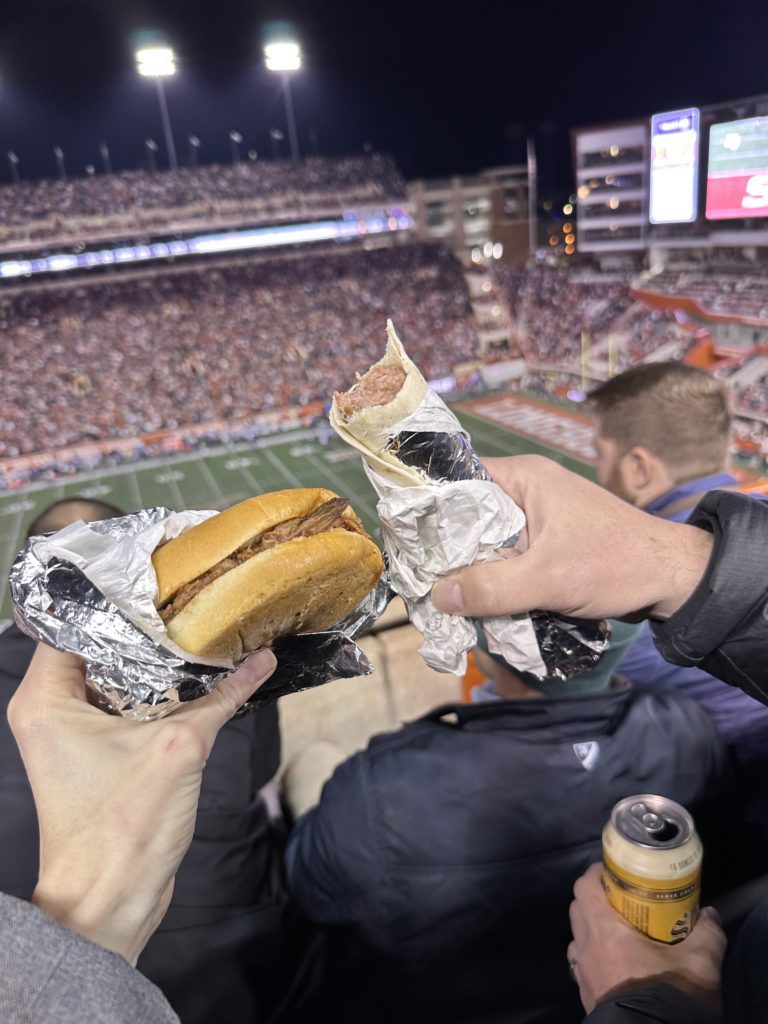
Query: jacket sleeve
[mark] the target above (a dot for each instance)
(332, 859)
(723, 627)
(50, 975)
(654, 1004)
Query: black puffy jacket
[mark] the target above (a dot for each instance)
(722, 628)
(449, 849)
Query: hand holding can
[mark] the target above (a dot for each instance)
(652, 866)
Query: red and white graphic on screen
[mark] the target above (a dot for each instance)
(738, 195)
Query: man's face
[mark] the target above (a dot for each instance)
(609, 465)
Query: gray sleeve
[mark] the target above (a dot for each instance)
(50, 974)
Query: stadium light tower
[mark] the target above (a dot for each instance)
(284, 57)
(159, 62)
(194, 149)
(235, 138)
(13, 163)
(61, 166)
(151, 147)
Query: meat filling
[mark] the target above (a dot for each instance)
(378, 387)
(327, 516)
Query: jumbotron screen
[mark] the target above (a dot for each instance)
(674, 166)
(737, 175)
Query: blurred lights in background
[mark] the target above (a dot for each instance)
(489, 251)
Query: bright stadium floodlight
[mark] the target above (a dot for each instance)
(159, 62)
(284, 57)
(156, 62)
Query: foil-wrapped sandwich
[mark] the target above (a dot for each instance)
(160, 604)
(441, 512)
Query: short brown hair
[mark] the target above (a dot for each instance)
(679, 413)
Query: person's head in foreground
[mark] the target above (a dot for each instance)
(504, 682)
(659, 425)
(69, 510)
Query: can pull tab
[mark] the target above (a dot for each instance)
(657, 826)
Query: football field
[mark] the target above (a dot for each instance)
(223, 475)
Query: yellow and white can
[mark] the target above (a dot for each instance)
(652, 866)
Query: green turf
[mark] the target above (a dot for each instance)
(222, 476)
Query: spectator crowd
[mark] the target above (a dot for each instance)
(216, 345)
(552, 309)
(731, 290)
(34, 209)
(163, 350)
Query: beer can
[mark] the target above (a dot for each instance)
(652, 866)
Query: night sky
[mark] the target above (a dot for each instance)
(445, 87)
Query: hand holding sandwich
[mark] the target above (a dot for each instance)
(116, 799)
(584, 553)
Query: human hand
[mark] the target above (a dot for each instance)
(608, 955)
(116, 799)
(583, 553)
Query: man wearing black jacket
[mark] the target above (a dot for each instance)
(442, 857)
(718, 620)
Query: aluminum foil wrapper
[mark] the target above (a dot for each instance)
(459, 517)
(89, 589)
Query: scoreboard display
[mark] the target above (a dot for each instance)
(737, 173)
(674, 167)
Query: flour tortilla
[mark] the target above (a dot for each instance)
(370, 429)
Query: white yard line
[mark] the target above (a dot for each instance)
(211, 479)
(133, 482)
(181, 503)
(244, 471)
(283, 470)
(342, 487)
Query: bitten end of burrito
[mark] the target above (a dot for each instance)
(389, 392)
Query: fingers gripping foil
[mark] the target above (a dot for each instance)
(440, 513)
(89, 590)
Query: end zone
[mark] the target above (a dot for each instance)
(570, 433)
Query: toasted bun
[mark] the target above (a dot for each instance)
(300, 586)
(197, 550)
(297, 586)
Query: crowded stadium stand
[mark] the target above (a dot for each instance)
(139, 353)
(561, 316)
(122, 353)
(108, 205)
(729, 290)
(578, 326)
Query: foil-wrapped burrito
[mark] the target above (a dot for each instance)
(91, 589)
(440, 512)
